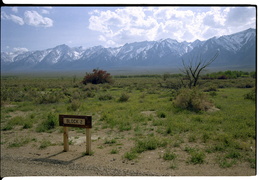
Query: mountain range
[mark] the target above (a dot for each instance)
(235, 50)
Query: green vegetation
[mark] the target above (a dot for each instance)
(192, 99)
(196, 156)
(124, 97)
(112, 141)
(148, 143)
(114, 151)
(20, 141)
(131, 155)
(48, 124)
(217, 118)
(169, 155)
(45, 143)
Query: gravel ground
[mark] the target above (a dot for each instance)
(38, 167)
(31, 160)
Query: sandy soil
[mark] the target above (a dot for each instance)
(30, 160)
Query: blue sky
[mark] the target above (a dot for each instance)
(38, 28)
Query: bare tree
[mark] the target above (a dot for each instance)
(194, 67)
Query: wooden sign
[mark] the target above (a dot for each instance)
(76, 121)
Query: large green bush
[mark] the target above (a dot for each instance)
(192, 99)
(48, 124)
(251, 95)
(124, 97)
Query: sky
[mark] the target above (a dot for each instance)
(30, 28)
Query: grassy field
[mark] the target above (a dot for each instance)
(141, 110)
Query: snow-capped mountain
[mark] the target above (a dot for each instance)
(237, 49)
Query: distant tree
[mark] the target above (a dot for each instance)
(194, 67)
(98, 76)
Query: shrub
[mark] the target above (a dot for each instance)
(192, 99)
(18, 142)
(111, 141)
(130, 155)
(251, 95)
(74, 105)
(90, 87)
(233, 154)
(25, 122)
(17, 120)
(7, 127)
(210, 88)
(97, 77)
(124, 97)
(169, 156)
(48, 98)
(114, 151)
(161, 114)
(27, 125)
(125, 126)
(48, 124)
(90, 94)
(197, 157)
(149, 143)
(105, 97)
(44, 144)
(226, 163)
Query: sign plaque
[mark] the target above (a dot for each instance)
(76, 121)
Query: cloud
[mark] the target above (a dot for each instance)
(35, 19)
(140, 23)
(19, 49)
(15, 9)
(17, 19)
(44, 11)
(102, 38)
(32, 18)
(14, 18)
(131, 24)
(127, 23)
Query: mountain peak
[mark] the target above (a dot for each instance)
(238, 48)
(62, 46)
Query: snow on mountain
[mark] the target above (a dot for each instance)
(129, 51)
(235, 41)
(238, 48)
(14, 56)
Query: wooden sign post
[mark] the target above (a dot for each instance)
(76, 121)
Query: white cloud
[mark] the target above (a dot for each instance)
(44, 11)
(111, 43)
(4, 15)
(35, 19)
(15, 9)
(19, 49)
(17, 19)
(102, 38)
(14, 18)
(181, 23)
(31, 18)
(123, 24)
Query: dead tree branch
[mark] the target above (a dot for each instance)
(194, 67)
